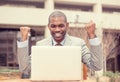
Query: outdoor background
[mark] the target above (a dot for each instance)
(34, 13)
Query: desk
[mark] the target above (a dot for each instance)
(16, 80)
(15, 77)
(26, 80)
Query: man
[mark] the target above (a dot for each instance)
(58, 27)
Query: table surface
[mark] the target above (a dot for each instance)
(27, 80)
(15, 77)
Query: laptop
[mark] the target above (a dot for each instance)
(56, 63)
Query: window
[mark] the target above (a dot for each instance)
(23, 3)
(7, 46)
(3, 59)
(110, 10)
(74, 7)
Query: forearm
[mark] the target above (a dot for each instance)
(23, 57)
(96, 57)
(96, 53)
(93, 56)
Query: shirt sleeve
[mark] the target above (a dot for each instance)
(94, 41)
(22, 44)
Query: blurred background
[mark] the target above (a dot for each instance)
(34, 13)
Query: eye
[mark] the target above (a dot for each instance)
(61, 25)
(53, 26)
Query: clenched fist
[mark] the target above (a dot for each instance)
(24, 32)
(90, 28)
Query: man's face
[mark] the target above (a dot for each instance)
(58, 28)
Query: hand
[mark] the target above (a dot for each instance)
(24, 32)
(90, 28)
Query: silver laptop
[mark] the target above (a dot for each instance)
(54, 63)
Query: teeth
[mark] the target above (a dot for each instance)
(57, 34)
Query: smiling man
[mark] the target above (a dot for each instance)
(58, 27)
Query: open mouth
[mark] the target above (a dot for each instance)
(58, 35)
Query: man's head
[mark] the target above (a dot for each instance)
(58, 25)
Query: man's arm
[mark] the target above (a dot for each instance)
(23, 58)
(23, 51)
(96, 57)
(92, 58)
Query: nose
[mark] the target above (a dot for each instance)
(57, 29)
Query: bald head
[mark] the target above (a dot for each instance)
(57, 14)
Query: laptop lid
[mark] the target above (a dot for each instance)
(56, 63)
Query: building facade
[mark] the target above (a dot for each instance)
(34, 13)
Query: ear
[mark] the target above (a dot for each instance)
(48, 26)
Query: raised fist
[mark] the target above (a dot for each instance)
(24, 32)
(90, 28)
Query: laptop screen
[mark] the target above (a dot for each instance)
(56, 63)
